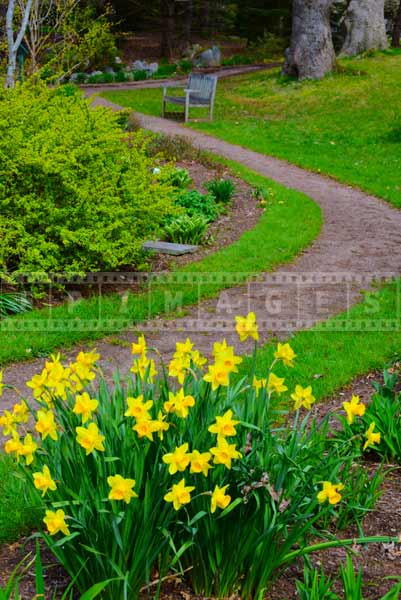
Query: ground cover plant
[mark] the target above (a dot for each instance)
(202, 462)
(344, 125)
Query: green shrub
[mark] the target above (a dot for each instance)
(140, 75)
(185, 66)
(187, 230)
(221, 189)
(121, 77)
(196, 203)
(165, 71)
(14, 303)
(73, 196)
(101, 78)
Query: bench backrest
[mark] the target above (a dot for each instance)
(205, 85)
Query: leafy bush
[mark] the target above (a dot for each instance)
(101, 78)
(187, 230)
(165, 71)
(177, 469)
(221, 189)
(73, 196)
(196, 203)
(185, 66)
(121, 77)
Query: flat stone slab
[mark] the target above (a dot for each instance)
(169, 248)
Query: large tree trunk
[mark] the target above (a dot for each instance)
(311, 54)
(168, 28)
(366, 29)
(395, 40)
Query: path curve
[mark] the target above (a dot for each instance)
(360, 240)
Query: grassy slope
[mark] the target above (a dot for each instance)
(347, 125)
(290, 223)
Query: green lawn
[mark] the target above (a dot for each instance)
(290, 223)
(347, 126)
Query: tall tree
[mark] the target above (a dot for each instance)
(311, 54)
(366, 28)
(14, 41)
(395, 38)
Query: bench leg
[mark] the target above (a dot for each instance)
(163, 108)
(211, 113)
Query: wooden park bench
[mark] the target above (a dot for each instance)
(200, 93)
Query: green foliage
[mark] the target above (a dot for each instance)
(140, 75)
(73, 197)
(165, 71)
(315, 585)
(221, 189)
(196, 203)
(101, 78)
(178, 178)
(14, 303)
(187, 230)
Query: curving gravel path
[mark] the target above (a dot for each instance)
(360, 241)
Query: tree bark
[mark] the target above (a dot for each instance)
(168, 27)
(366, 28)
(14, 44)
(395, 40)
(311, 54)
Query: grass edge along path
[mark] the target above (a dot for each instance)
(331, 354)
(290, 223)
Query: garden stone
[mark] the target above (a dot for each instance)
(110, 70)
(169, 248)
(152, 67)
(209, 58)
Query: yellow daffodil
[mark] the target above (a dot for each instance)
(225, 355)
(84, 406)
(46, 425)
(303, 397)
(183, 348)
(179, 403)
(13, 445)
(371, 437)
(219, 347)
(218, 375)
(38, 384)
(285, 353)
(219, 498)
(160, 425)
(355, 408)
(200, 462)
(90, 438)
(55, 522)
(21, 412)
(139, 347)
(146, 428)
(27, 449)
(178, 367)
(224, 426)
(224, 453)
(43, 481)
(177, 460)
(258, 384)
(276, 384)
(246, 327)
(330, 492)
(88, 358)
(121, 489)
(180, 494)
(144, 368)
(80, 375)
(8, 422)
(137, 408)
(198, 359)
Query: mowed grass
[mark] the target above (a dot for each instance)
(290, 223)
(347, 126)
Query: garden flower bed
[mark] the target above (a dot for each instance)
(181, 462)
